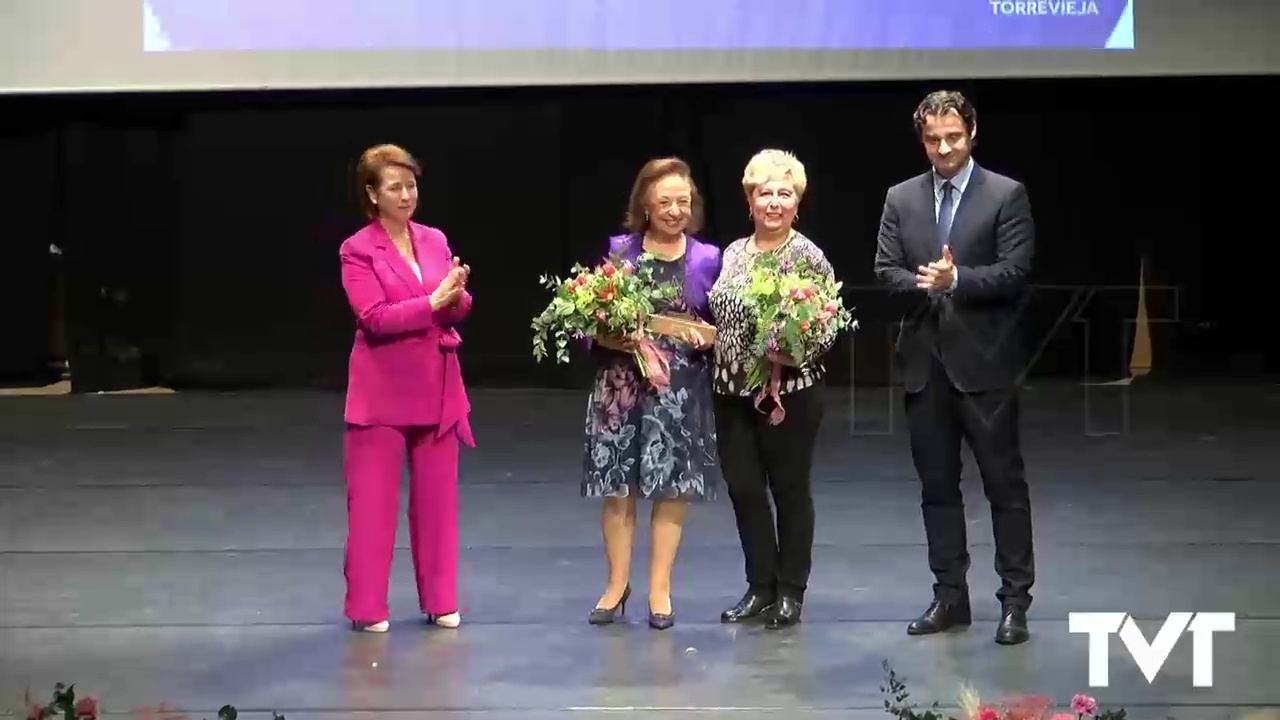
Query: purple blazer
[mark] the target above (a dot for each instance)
(404, 366)
(701, 268)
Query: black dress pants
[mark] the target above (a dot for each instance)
(759, 460)
(939, 417)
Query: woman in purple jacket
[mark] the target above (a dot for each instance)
(642, 443)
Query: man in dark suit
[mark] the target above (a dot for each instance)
(956, 245)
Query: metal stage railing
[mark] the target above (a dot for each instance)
(1078, 301)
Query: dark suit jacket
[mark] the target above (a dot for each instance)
(973, 328)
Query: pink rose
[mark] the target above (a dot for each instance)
(87, 709)
(988, 713)
(1084, 705)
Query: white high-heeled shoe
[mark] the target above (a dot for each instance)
(451, 620)
(378, 627)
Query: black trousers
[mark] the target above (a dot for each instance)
(939, 417)
(759, 460)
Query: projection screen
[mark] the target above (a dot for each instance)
(110, 45)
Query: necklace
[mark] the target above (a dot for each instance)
(403, 243)
(682, 245)
(753, 248)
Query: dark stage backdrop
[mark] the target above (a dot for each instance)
(200, 231)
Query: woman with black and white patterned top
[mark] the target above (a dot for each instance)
(757, 458)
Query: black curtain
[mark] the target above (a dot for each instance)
(201, 230)
(29, 204)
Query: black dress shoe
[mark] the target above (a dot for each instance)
(941, 615)
(1013, 627)
(785, 613)
(752, 605)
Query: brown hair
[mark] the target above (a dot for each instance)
(636, 219)
(939, 103)
(369, 172)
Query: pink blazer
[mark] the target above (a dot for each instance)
(404, 366)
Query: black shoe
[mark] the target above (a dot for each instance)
(605, 616)
(941, 615)
(1013, 626)
(661, 621)
(752, 605)
(785, 613)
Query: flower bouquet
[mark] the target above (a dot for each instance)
(1020, 707)
(611, 302)
(798, 313)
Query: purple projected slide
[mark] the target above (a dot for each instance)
(195, 25)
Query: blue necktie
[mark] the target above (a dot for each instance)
(946, 211)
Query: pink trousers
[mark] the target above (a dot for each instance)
(372, 462)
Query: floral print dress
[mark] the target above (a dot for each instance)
(660, 445)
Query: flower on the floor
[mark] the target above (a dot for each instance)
(66, 706)
(972, 707)
(226, 712)
(164, 712)
(1084, 705)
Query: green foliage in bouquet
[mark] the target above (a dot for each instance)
(613, 299)
(798, 310)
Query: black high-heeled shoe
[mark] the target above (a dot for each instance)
(662, 621)
(605, 616)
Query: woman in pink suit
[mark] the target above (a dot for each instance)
(404, 395)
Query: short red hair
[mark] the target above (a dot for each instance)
(369, 172)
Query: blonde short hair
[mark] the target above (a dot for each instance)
(771, 165)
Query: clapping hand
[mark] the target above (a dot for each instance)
(451, 287)
(461, 273)
(937, 275)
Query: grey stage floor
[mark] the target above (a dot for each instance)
(188, 549)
